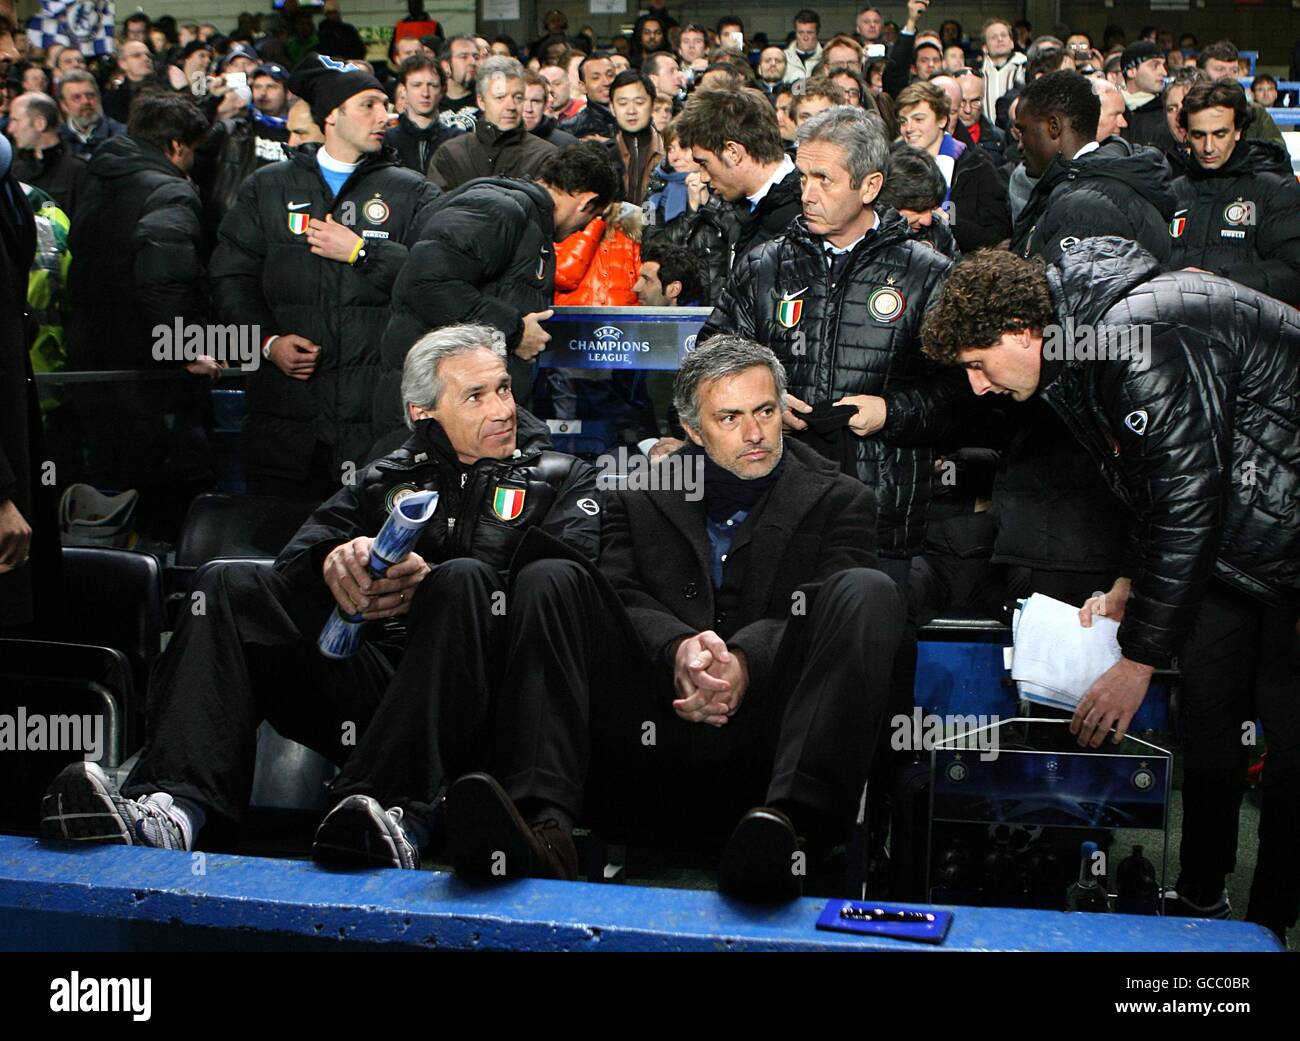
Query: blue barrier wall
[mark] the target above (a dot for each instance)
(122, 898)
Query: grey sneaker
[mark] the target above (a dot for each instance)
(81, 805)
(1174, 904)
(359, 832)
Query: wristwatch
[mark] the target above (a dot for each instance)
(359, 260)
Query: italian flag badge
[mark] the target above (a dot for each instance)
(508, 503)
(298, 222)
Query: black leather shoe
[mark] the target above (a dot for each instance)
(487, 839)
(759, 861)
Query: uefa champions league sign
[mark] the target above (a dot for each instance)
(630, 338)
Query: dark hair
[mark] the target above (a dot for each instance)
(711, 118)
(160, 117)
(806, 15)
(676, 264)
(1223, 93)
(987, 294)
(1065, 94)
(651, 64)
(582, 167)
(913, 180)
(593, 56)
(1046, 62)
(421, 63)
(138, 16)
(694, 28)
(856, 77)
(726, 19)
(626, 78)
(509, 41)
(1224, 50)
(1260, 77)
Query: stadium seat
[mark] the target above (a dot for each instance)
(237, 526)
(114, 598)
(39, 677)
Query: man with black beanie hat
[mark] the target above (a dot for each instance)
(1143, 68)
(309, 252)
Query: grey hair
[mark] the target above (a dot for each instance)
(861, 134)
(76, 76)
(421, 384)
(722, 355)
(500, 65)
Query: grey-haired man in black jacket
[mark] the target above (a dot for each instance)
(415, 706)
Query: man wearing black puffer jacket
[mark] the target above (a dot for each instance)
(1238, 201)
(309, 253)
(1188, 407)
(1060, 531)
(488, 255)
(137, 270)
(1084, 188)
(413, 707)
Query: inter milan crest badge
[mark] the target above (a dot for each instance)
(376, 210)
(1240, 214)
(508, 503)
(789, 309)
(886, 304)
(397, 494)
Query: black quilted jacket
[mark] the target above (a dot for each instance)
(853, 340)
(1203, 444)
(1116, 189)
(560, 497)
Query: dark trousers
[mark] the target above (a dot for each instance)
(1241, 662)
(583, 712)
(399, 734)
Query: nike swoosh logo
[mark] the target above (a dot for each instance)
(299, 205)
(787, 297)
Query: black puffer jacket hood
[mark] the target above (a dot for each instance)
(1139, 168)
(1193, 426)
(124, 156)
(1252, 155)
(488, 256)
(1116, 189)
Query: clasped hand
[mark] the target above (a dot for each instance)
(710, 680)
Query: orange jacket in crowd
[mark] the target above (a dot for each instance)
(598, 266)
